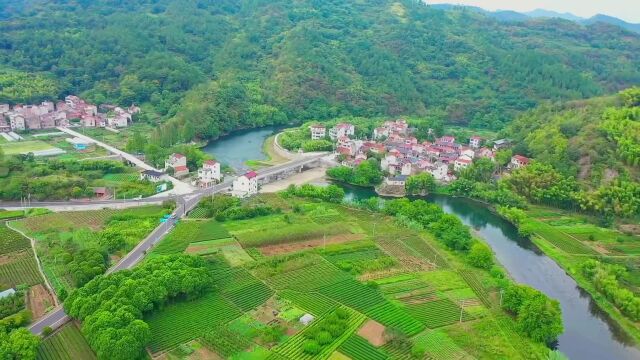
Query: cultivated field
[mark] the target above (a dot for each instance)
(66, 344)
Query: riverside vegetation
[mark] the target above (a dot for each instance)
(397, 280)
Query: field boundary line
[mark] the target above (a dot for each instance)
(35, 255)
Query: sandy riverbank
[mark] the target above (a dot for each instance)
(309, 176)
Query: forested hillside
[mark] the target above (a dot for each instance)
(218, 65)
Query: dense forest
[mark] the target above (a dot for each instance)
(206, 67)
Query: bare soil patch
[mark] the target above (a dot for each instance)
(194, 249)
(279, 249)
(39, 300)
(268, 312)
(630, 229)
(601, 249)
(8, 259)
(373, 331)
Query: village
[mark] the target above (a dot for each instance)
(402, 155)
(72, 112)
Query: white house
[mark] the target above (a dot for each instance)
(175, 160)
(519, 161)
(245, 185)
(470, 153)
(462, 162)
(439, 172)
(388, 160)
(501, 144)
(381, 132)
(151, 175)
(475, 141)
(318, 132)
(209, 174)
(342, 129)
(406, 168)
(17, 122)
(398, 180)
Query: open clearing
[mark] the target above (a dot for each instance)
(21, 147)
(39, 301)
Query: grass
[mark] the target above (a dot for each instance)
(186, 320)
(66, 344)
(19, 147)
(10, 214)
(227, 247)
(291, 233)
(188, 232)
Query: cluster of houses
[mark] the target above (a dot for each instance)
(402, 155)
(73, 110)
(208, 175)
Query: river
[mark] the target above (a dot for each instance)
(589, 332)
(239, 146)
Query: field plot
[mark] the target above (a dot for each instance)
(440, 346)
(188, 232)
(67, 220)
(186, 320)
(19, 268)
(358, 348)
(226, 342)
(315, 303)
(12, 214)
(297, 346)
(291, 233)
(227, 247)
(315, 274)
(410, 259)
(11, 241)
(23, 147)
(66, 344)
(438, 313)
(562, 240)
(285, 248)
(243, 289)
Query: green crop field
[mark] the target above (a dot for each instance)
(188, 232)
(292, 233)
(437, 313)
(314, 303)
(243, 289)
(358, 348)
(66, 344)
(4, 214)
(21, 269)
(562, 240)
(11, 241)
(440, 346)
(20, 147)
(225, 342)
(186, 320)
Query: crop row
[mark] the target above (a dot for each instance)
(68, 220)
(66, 344)
(187, 320)
(249, 296)
(425, 250)
(562, 240)
(476, 286)
(314, 303)
(22, 269)
(291, 233)
(403, 286)
(438, 313)
(369, 253)
(11, 241)
(353, 294)
(358, 348)
(440, 346)
(188, 232)
(225, 342)
(308, 278)
(394, 316)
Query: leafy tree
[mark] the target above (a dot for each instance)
(18, 344)
(480, 256)
(420, 184)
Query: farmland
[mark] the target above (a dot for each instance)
(66, 344)
(65, 239)
(417, 290)
(23, 147)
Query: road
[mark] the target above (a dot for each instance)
(184, 204)
(179, 187)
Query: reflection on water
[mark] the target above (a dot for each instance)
(589, 331)
(238, 147)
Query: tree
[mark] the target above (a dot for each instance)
(422, 183)
(480, 256)
(631, 96)
(481, 170)
(540, 318)
(503, 157)
(18, 344)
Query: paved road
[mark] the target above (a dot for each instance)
(184, 204)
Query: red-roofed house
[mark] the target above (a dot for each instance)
(245, 185)
(180, 170)
(462, 163)
(446, 140)
(518, 161)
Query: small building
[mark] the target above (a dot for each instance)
(180, 170)
(446, 140)
(342, 129)
(398, 180)
(486, 153)
(101, 192)
(461, 163)
(306, 319)
(519, 161)
(245, 185)
(151, 175)
(7, 293)
(318, 132)
(209, 174)
(175, 160)
(380, 132)
(406, 168)
(501, 144)
(475, 141)
(17, 122)
(79, 143)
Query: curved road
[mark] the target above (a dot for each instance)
(184, 204)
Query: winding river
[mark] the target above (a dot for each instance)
(589, 332)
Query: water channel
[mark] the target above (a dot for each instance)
(589, 332)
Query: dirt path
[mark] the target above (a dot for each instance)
(39, 301)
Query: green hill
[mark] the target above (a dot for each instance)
(226, 64)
